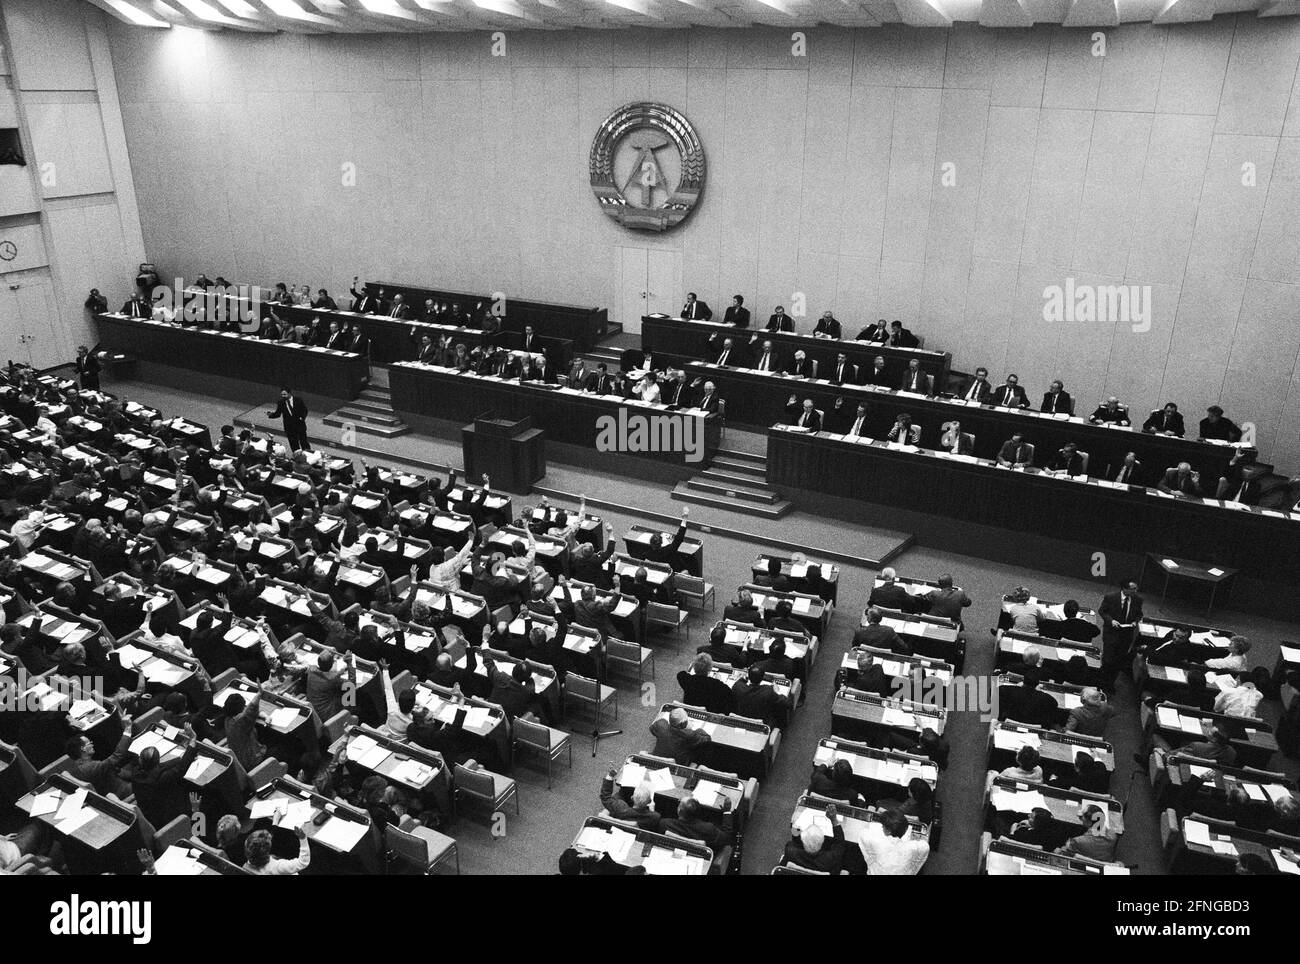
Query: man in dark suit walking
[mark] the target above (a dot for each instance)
(293, 410)
(1120, 611)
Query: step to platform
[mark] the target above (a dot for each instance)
(774, 510)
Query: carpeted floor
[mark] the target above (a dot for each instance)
(549, 819)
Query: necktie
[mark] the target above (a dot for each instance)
(1241, 493)
(839, 374)
(1126, 605)
(956, 443)
(857, 426)
(1123, 474)
(763, 364)
(723, 359)
(704, 404)
(803, 419)
(974, 390)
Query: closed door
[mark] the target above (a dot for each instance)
(39, 337)
(650, 281)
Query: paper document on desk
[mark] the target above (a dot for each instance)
(708, 793)
(619, 845)
(177, 862)
(477, 717)
(1196, 832)
(633, 775)
(285, 717)
(72, 804)
(1276, 792)
(267, 807)
(895, 717)
(374, 757)
(813, 818)
(296, 814)
(1176, 674)
(594, 839)
(199, 768)
(659, 778)
(360, 746)
(46, 802)
(1284, 863)
(412, 773)
(1168, 716)
(1255, 792)
(341, 834)
(1029, 868)
(802, 604)
(77, 820)
(1190, 724)
(1221, 845)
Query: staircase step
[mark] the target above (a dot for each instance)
(373, 394)
(364, 428)
(733, 491)
(371, 405)
(737, 455)
(729, 477)
(682, 493)
(374, 418)
(738, 467)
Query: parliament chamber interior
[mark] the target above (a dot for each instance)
(619, 437)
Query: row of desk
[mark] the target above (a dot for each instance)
(759, 399)
(1261, 543)
(318, 371)
(568, 416)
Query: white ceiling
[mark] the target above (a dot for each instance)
(375, 16)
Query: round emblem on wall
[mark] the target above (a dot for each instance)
(8, 250)
(647, 167)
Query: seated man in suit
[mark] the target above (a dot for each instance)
(779, 321)
(836, 782)
(769, 360)
(947, 601)
(903, 431)
(877, 334)
(536, 368)
(878, 375)
(708, 396)
(1217, 428)
(857, 427)
(915, 380)
(1091, 715)
(1057, 401)
(601, 382)
(879, 636)
(1110, 413)
(1180, 480)
(870, 676)
(1010, 394)
(777, 662)
(758, 699)
(843, 372)
(803, 415)
(800, 365)
(398, 309)
(1129, 471)
(1026, 703)
(827, 327)
(743, 609)
(1243, 488)
(978, 388)
(954, 440)
(673, 390)
(701, 689)
(1015, 452)
(736, 315)
(811, 850)
(1040, 830)
(694, 309)
(1165, 421)
(1067, 460)
(889, 593)
(691, 822)
(676, 739)
(1074, 628)
(900, 337)
(731, 354)
(640, 811)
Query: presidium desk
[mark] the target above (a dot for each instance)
(1264, 544)
(569, 416)
(315, 371)
(759, 399)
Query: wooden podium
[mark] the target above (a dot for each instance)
(512, 452)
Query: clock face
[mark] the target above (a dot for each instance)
(8, 250)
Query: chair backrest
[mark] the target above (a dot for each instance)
(534, 734)
(722, 407)
(691, 585)
(148, 719)
(814, 368)
(661, 613)
(477, 782)
(581, 687)
(970, 439)
(407, 846)
(402, 682)
(502, 612)
(621, 649)
(1083, 461)
(337, 723)
(1030, 447)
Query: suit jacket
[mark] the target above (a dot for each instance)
(1010, 396)
(1157, 421)
(743, 614)
(680, 744)
(775, 360)
(801, 369)
(828, 860)
(875, 334)
(917, 381)
(1132, 475)
(1170, 482)
(294, 414)
(891, 596)
(964, 444)
(983, 391)
(1060, 404)
(948, 603)
(402, 311)
(846, 374)
(779, 323)
(712, 694)
(708, 403)
(1024, 705)
(1073, 465)
(875, 376)
(1112, 610)
(829, 327)
(160, 793)
(600, 384)
(737, 356)
(903, 339)
(813, 422)
(698, 311)
(761, 702)
(738, 316)
(1104, 414)
(881, 636)
(1013, 453)
(675, 392)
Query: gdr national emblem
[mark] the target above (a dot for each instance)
(647, 167)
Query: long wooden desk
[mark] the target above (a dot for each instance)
(567, 415)
(759, 399)
(1262, 543)
(679, 341)
(319, 371)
